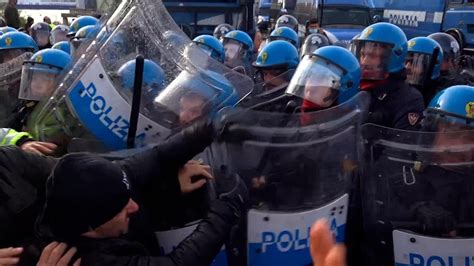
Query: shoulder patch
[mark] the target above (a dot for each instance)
(413, 118)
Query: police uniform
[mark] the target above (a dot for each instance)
(396, 104)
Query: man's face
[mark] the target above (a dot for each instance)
(191, 108)
(415, 68)
(373, 58)
(42, 84)
(42, 38)
(313, 28)
(118, 225)
(272, 78)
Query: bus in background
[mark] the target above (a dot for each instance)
(196, 17)
(421, 18)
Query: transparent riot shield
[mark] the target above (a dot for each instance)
(417, 197)
(10, 75)
(265, 92)
(296, 174)
(92, 102)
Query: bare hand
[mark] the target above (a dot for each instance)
(324, 250)
(39, 147)
(190, 169)
(9, 256)
(54, 255)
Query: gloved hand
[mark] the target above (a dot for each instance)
(201, 132)
(435, 219)
(234, 192)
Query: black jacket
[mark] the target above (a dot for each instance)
(153, 177)
(396, 104)
(22, 179)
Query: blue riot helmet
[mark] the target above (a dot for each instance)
(238, 48)
(420, 64)
(329, 77)
(153, 78)
(40, 75)
(6, 29)
(14, 44)
(191, 96)
(40, 33)
(221, 30)
(59, 34)
(287, 21)
(285, 34)
(451, 51)
(312, 43)
(85, 33)
(451, 109)
(81, 22)
(64, 46)
(274, 62)
(211, 46)
(381, 49)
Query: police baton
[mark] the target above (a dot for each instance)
(137, 92)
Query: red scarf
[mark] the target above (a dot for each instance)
(306, 109)
(371, 84)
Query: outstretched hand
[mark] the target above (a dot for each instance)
(324, 250)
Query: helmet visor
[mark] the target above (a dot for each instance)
(374, 59)
(417, 66)
(311, 45)
(58, 36)
(41, 37)
(316, 80)
(38, 81)
(75, 45)
(232, 50)
(188, 98)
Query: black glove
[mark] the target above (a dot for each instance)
(234, 192)
(201, 131)
(434, 218)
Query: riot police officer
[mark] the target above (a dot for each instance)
(287, 21)
(381, 49)
(81, 22)
(59, 34)
(40, 33)
(423, 65)
(40, 77)
(211, 46)
(15, 47)
(285, 34)
(312, 43)
(275, 66)
(329, 77)
(238, 48)
(417, 190)
(451, 73)
(83, 35)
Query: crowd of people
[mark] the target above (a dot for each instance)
(89, 209)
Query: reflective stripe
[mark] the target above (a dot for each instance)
(10, 136)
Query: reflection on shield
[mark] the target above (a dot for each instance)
(91, 103)
(295, 173)
(417, 195)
